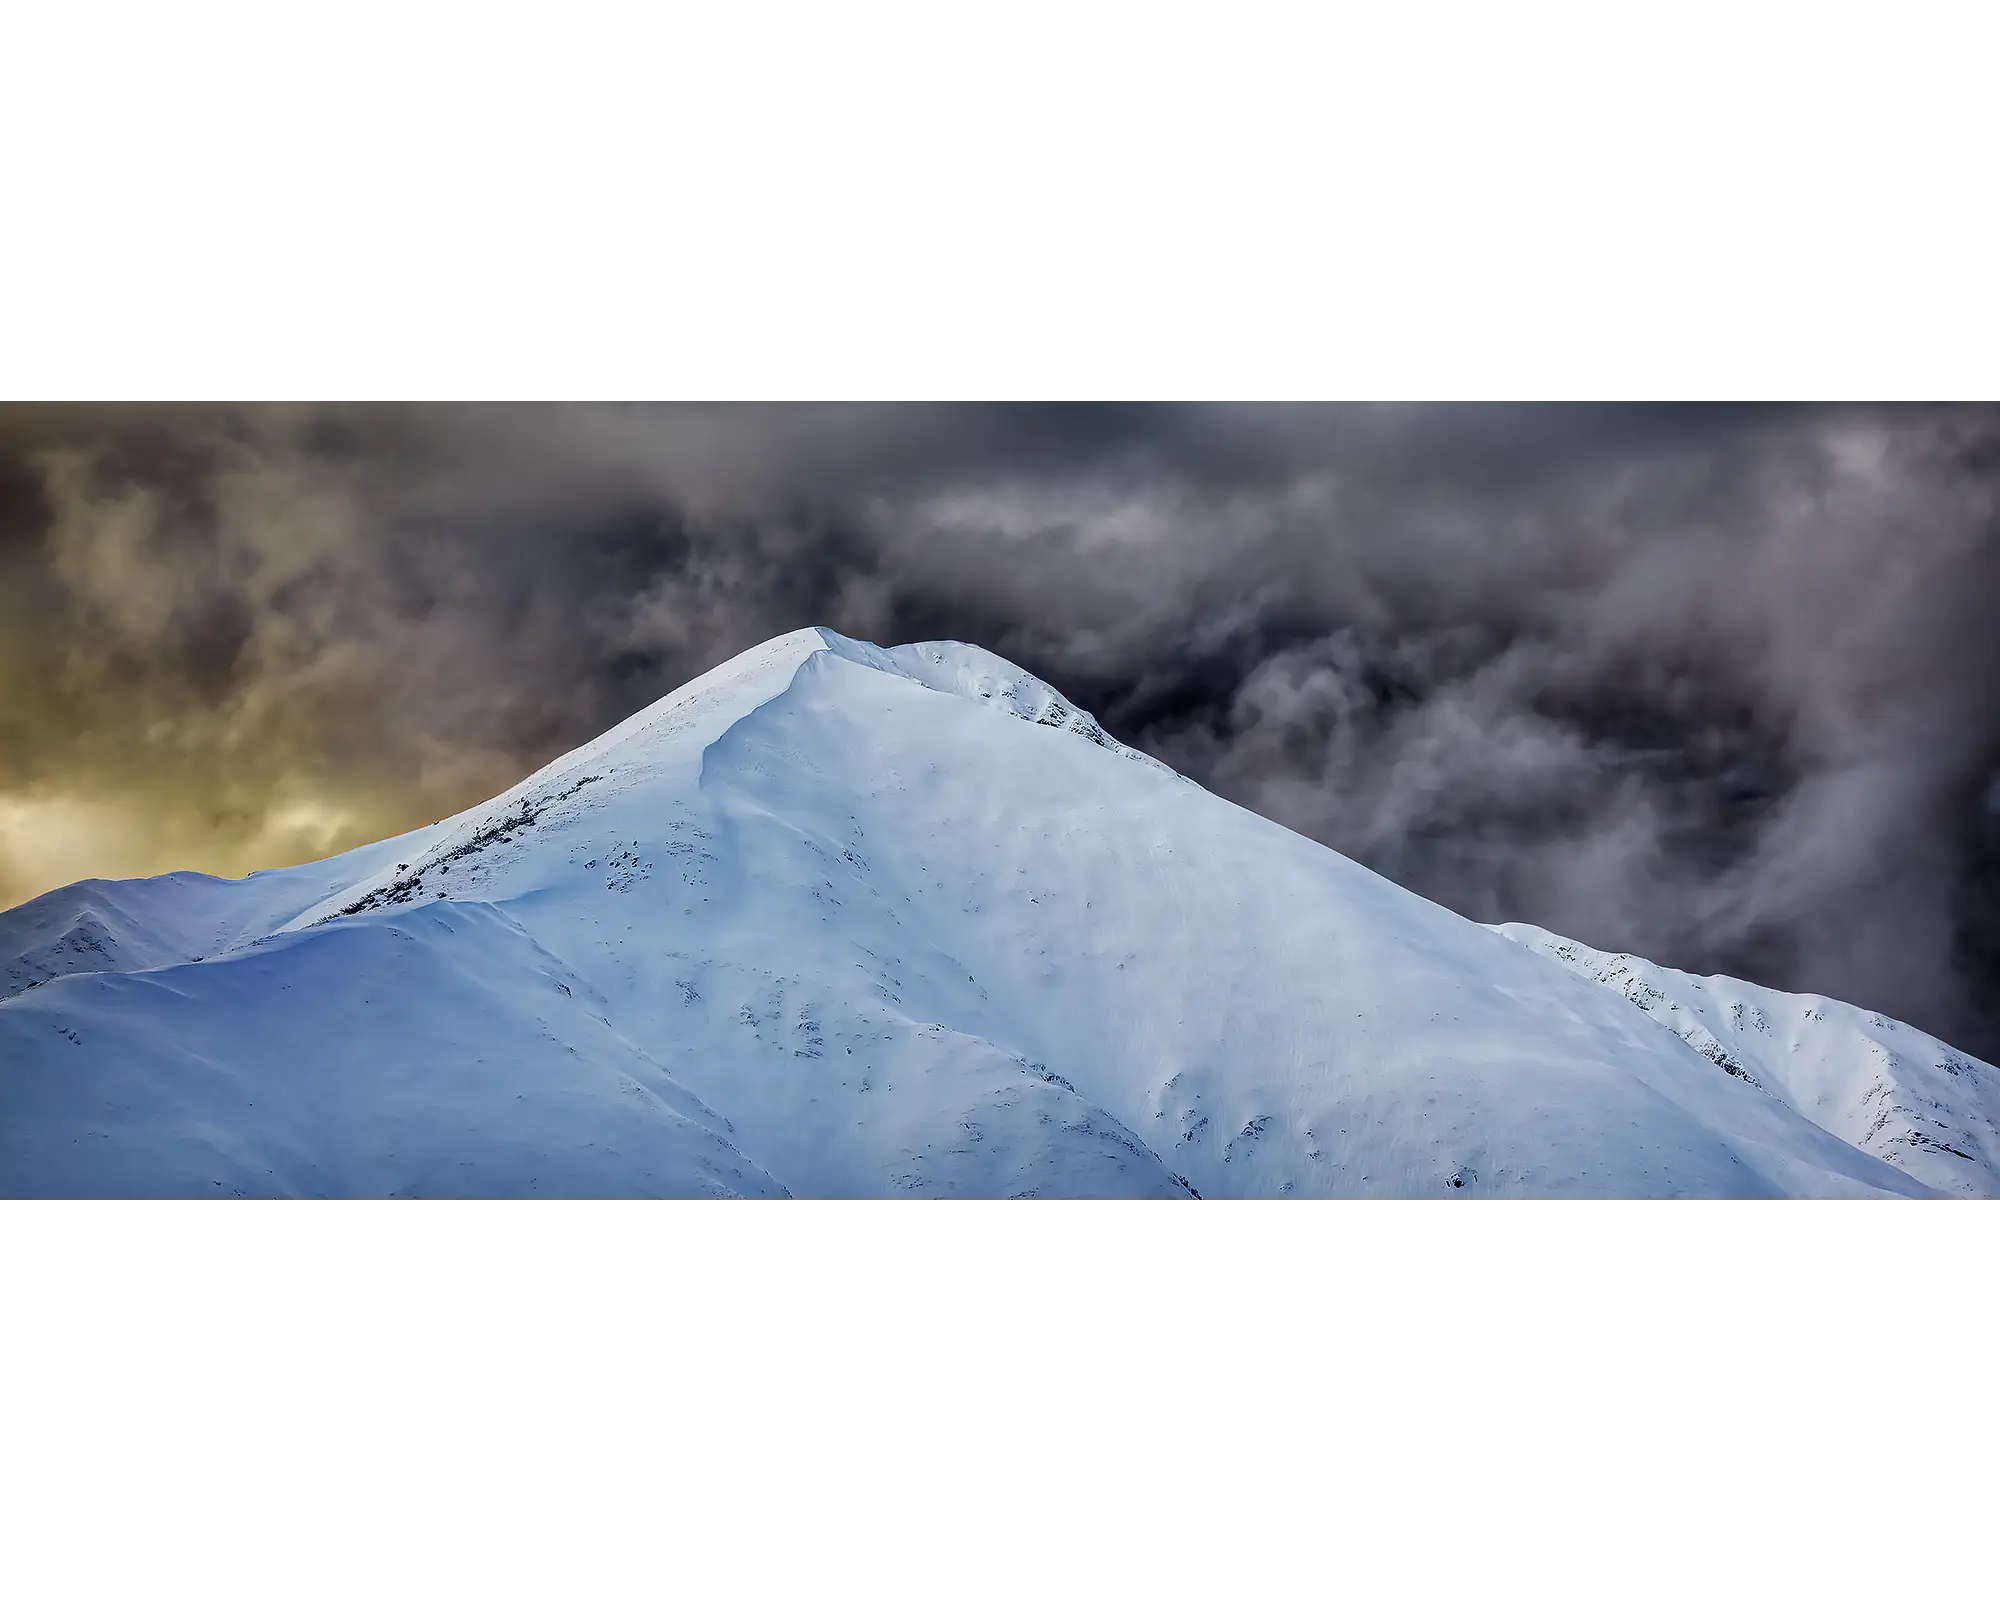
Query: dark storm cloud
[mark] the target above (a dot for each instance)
(1715, 684)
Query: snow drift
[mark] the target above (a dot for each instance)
(835, 920)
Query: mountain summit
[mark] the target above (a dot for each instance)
(837, 920)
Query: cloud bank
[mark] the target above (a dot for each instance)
(1718, 685)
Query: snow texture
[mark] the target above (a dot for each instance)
(834, 920)
(1875, 1082)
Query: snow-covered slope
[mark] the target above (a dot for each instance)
(1876, 1082)
(836, 920)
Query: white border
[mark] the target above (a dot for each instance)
(1077, 200)
(1567, 1399)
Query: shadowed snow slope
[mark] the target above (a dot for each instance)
(836, 920)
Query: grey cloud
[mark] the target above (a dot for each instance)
(1717, 684)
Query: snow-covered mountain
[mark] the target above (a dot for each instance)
(836, 920)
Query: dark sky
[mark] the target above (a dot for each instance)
(1717, 685)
